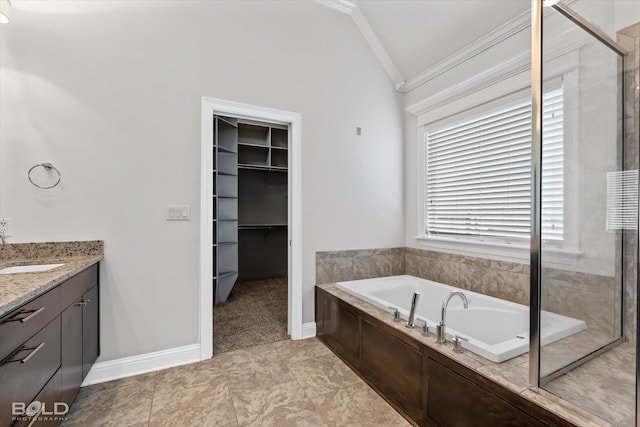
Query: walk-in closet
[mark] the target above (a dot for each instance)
(250, 233)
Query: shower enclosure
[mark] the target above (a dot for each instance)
(584, 241)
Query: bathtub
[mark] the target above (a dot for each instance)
(495, 328)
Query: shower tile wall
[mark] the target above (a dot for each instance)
(629, 38)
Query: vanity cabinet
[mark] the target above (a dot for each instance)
(424, 385)
(79, 339)
(47, 347)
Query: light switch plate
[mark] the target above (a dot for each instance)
(5, 227)
(178, 213)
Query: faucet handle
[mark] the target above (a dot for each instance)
(425, 329)
(396, 314)
(457, 343)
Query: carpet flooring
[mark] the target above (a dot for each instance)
(255, 313)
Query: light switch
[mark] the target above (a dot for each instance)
(178, 213)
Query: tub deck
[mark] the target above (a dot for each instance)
(512, 374)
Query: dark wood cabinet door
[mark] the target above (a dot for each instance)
(341, 330)
(71, 351)
(455, 401)
(394, 368)
(50, 399)
(90, 329)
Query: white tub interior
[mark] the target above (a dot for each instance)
(496, 329)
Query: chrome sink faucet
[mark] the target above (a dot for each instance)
(3, 239)
(442, 329)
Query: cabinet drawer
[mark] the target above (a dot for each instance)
(76, 286)
(19, 325)
(27, 370)
(50, 398)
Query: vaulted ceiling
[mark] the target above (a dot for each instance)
(410, 37)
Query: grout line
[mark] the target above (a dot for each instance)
(153, 396)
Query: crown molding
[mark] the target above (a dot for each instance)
(341, 6)
(484, 43)
(377, 47)
(489, 40)
(352, 9)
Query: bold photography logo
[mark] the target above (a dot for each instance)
(21, 411)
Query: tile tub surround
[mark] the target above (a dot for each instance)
(501, 279)
(287, 383)
(335, 266)
(17, 289)
(511, 374)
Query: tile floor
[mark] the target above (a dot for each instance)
(286, 383)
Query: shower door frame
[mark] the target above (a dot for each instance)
(537, 12)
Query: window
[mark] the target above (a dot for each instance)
(478, 174)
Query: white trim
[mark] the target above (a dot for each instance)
(142, 364)
(340, 5)
(377, 47)
(210, 107)
(512, 75)
(553, 257)
(489, 40)
(369, 35)
(308, 330)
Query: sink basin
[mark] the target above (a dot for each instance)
(28, 268)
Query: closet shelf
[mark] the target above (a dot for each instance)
(262, 167)
(261, 226)
(223, 274)
(225, 173)
(225, 243)
(251, 144)
(223, 149)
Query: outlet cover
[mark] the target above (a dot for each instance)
(5, 226)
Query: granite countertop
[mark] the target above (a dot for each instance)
(19, 288)
(512, 374)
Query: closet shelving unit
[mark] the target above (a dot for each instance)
(225, 206)
(250, 202)
(262, 168)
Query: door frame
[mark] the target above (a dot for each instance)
(211, 107)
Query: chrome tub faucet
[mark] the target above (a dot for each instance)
(442, 329)
(411, 322)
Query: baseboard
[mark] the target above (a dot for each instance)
(142, 364)
(308, 330)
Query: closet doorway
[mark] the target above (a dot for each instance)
(250, 241)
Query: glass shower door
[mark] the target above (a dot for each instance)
(586, 230)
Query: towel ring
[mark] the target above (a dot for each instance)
(47, 167)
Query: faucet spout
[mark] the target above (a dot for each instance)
(441, 329)
(412, 313)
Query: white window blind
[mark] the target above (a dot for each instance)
(478, 174)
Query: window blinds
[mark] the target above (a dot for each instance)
(478, 174)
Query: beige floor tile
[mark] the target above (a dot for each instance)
(357, 405)
(291, 351)
(282, 405)
(323, 374)
(252, 375)
(186, 376)
(205, 405)
(118, 407)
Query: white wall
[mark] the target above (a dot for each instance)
(109, 92)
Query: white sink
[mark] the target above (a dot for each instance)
(28, 268)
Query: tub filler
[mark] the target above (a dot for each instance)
(495, 329)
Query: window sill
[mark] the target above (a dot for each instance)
(500, 251)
